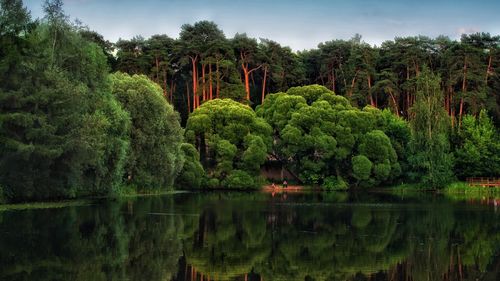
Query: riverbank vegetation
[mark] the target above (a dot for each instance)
(80, 116)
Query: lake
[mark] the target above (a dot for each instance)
(255, 236)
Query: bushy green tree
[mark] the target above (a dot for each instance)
(192, 173)
(361, 167)
(155, 157)
(478, 150)
(233, 142)
(62, 132)
(316, 133)
(431, 159)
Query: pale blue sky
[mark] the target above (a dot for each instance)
(300, 24)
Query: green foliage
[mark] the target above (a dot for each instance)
(155, 157)
(3, 198)
(231, 139)
(361, 167)
(431, 159)
(192, 173)
(239, 179)
(316, 133)
(335, 183)
(477, 153)
(63, 134)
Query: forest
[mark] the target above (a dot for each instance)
(82, 116)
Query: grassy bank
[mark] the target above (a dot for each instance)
(455, 190)
(43, 205)
(125, 193)
(461, 190)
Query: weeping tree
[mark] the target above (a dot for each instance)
(431, 158)
(155, 156)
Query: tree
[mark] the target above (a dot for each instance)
(248, 55)
(63, 134)
(159, 50)
(431, 159)
(478, 149)
(155, 157)
(317, 133)
(192, 173)
(232, 141)
(196, 41)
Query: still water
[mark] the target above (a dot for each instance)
(255, 236)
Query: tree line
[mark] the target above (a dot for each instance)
(71, 126)
(203, 64)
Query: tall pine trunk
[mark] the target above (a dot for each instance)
(194, 61)
(464, 89)
(264, 85)
(210, 81)
(217, 92)
(203, 84)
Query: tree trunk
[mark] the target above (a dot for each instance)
(247, 82)
(217, 90)
(165, 82)
(157, 70)
(172, 90)
(204, 91)
(488, 70)
(351, 90)
(464, 89)
(394, 101)
(264, 85)
(333, 79)
(246, 75)
(452, 109)
(210, 81)
(188, 97)
(194, 60)
(369, 80)
(408, 94)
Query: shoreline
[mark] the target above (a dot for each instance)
(454, 191)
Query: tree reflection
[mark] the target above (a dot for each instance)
(253, 236)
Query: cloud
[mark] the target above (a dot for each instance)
(467, 30)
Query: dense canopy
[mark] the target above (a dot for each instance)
(322, 138)
(233, 142)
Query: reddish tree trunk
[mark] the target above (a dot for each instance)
(264, 85)
(395, 103)
(210, 81)
(204, 91)
(217, 90)
(247, 83)
(246, 75)
(452, 109)
(369, 80)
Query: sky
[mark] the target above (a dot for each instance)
(300, 24)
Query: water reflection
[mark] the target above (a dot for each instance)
(254, 236)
